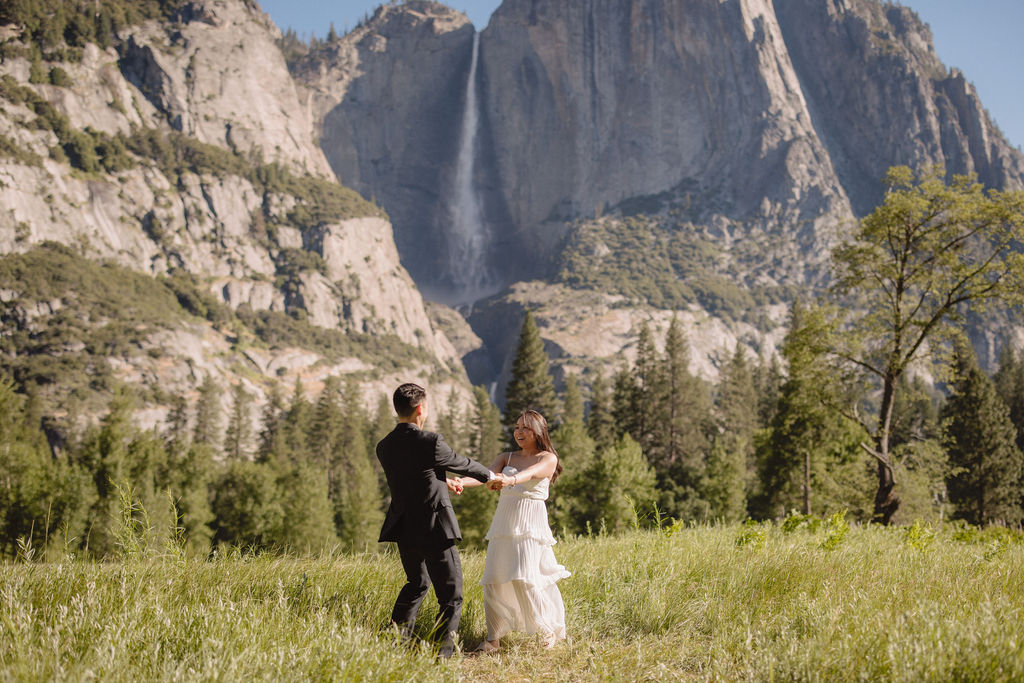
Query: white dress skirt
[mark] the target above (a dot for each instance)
(520, 573)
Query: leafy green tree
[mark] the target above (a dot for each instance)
(929, 252)
(919, 459)
(531, 385)
(981, 441)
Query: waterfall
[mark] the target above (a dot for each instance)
(467, 246)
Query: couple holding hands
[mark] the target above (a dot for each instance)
(520, 573)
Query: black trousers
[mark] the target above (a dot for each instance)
(423, 566)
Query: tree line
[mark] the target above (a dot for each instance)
(852, 415)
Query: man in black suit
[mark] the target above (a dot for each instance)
(420, 518)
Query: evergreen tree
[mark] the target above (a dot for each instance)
(809, 459)
(298, 423)
(531, 385)
(475, 507)
(104, 455)
(981, 441)
(358, 510)
(248, 507)
(621, 490)
(177, 435)
(40, 496)
(308, 516)
(208, 415)
(273, 443)
(600, 422)
(681, 412)
(190, 485)
(635, 392)
(568, 505)
(485, 438)
(1009, 381)
(731, 469)
(325, 432)
(768, 381)
(238, 437)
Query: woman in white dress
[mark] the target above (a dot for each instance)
(520, 573)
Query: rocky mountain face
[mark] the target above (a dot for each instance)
(627, 161)
(754, 129)
(184, 148)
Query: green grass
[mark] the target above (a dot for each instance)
(889, 604)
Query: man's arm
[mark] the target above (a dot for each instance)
(446, 458)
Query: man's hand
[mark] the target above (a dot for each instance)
(455, 485)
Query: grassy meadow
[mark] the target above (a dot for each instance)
(808, 600)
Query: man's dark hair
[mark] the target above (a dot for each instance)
(407, 397)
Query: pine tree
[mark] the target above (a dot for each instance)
(635, 392)
(622, 488)
(177, 435)
(208, 415)
(568, 504)
(39, 494)
(981, 441)
(600, 423)
(681, 421)
(475, 507)
(731, 470)
(531, 385)
(104, 454)
(358, 511)
(1009, 381)
(808, 446)
(298, 423)
(273, 444)
(486, 439)
(238, 436)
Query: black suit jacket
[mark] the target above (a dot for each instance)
(415, 462)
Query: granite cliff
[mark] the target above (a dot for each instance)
(738, 136)
(182, 151)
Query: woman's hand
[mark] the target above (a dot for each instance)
(455, 485)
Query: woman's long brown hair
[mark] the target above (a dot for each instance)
(536, 423)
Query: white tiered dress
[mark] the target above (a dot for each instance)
(520, 573)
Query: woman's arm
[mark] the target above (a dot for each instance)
(542, 469)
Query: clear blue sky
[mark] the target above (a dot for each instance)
(979, 37)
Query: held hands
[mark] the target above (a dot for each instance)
(500, 481)
(458, 484)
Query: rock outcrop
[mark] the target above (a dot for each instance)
(219, 177)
